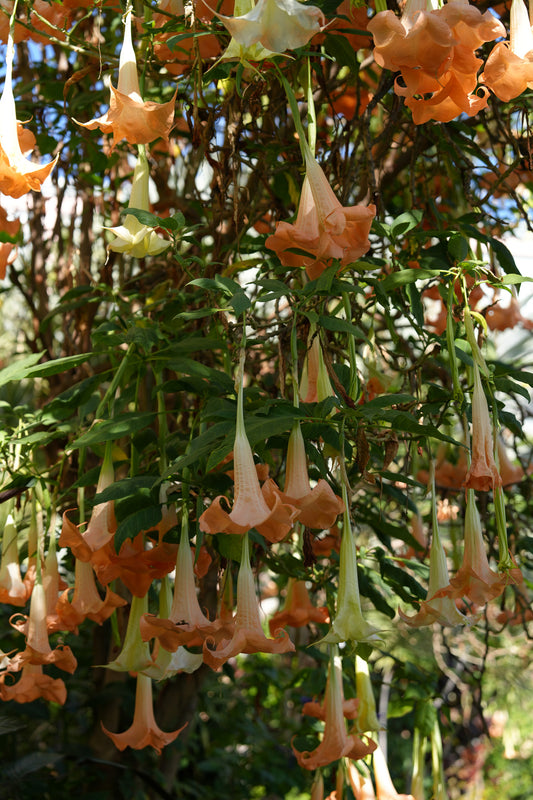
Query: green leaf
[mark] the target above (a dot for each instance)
(387, 400)
(342, 51)
(144, 217)
(142, 520)
(507, 385)
(341, 325)
(58, 365)
(406, 276)
(203, 445)
(240, 302)
(504, 256)
(508, 280)
(126, 488)
(458, 248)
(19, 369)
(405, 223)
(123, 425)
(229, 545)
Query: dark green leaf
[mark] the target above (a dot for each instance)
(123, 425)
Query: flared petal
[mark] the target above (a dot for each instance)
(144, 731)
(483, 473)
(298, 609)
(336, 742)
(277, 25)
(249, 636)
(129, 117)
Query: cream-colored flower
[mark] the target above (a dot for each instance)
(275, 25)
(133, 237)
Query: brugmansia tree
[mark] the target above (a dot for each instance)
(265, 448)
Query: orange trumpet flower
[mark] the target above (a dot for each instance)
(509, 67)
(384, 786)
(298, 609)
(86, 602)
(323, 229)
(38, 650)
(474, 579)
(186, 623)
(319, 507)
(337, 742)
(129, 117)
(349, 624)
(268, 514)
(248, 636)
(437, 607)
(483, 473)
(13, 589)
(144, 730)
(33, 683)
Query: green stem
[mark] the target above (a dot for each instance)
(302, 139)
(294, 364)
(450, 340)
(354, 379)
(115, 383)
(311, 111)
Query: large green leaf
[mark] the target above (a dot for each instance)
(111, 429)
(19, 369)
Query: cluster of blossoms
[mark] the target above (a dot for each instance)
(434, 50)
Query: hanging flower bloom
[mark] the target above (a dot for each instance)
(17, 175)
(297, 610)
(419, 39)
(509, 67)
(483, 473)
(53, 584)
(135, 564)
(129, 117)
(475, 580)
(86, 602)
(133, 237)
(164, 663)
(12, 588)
(436, 608)
(350, 709)
(270, 516)
(337, 742)
(144, 731)
(323, 229)
(319, 507)
(186, 623)
(38, 650)
(435, 51)
(510, 473)
(248, 636)
(349, 624)
(361, 785)
(315, 384)
(135, 654)
(237, 50)
(33, 683)
(275, 25)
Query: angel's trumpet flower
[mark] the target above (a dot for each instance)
(18, 175)
(129, 117)
(144, 730)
